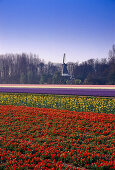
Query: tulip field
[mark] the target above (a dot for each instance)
(72, 102)
(42, 132)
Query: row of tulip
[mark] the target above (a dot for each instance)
(61, 91)
(77, 103)
(42, 138)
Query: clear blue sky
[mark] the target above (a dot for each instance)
(82, 29)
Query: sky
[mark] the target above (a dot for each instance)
(83, 29)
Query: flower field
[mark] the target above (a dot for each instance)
(73, 103)
(48, 131)
(45, 138)
(83, 90)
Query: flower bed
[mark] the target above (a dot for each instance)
(58, 91)
(42, 138)
(77, 103)
(83, 90)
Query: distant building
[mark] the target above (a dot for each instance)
(64, 69)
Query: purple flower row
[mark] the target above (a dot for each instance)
(61, 91)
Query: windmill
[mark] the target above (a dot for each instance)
(64, 68)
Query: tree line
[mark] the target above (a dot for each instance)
(30, 69)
